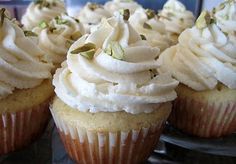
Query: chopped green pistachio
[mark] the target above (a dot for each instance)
(2, 15)
(115, 50)
(60, 20)
(222, 6)
(147, 26)
(88, 54)
(68, 43)
(42, 3)
(203, 20)
(30, 33)
(125, 13)
(226, 34)
(108, 50)
(43, 24)
(52, 29)
(94, 6)
(143, 37)
(84, 48)
(181, 20)
(150, 13)
(76, 35)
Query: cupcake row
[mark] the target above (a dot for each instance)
(122, 76)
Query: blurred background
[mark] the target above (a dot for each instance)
(17, 7)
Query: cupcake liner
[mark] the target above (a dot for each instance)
(22, 127)
(204, 119)
(126, 147)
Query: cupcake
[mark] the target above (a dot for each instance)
(176, 18)
(204, 62)
(116, 5)
(110, 104)
(147, 24)
(91, 15)
(25, 88)
(56, 37)
(41, 10)
(225, 15)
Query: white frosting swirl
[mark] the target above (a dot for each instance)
(175, 16)
(91, 17)
(226, 16)
(116, 5)
(156, 36)
(55, 43)
(110, 85)
(202, 59)
(21, 66)
(35, 13)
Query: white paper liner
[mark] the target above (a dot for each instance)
(85, 146)
(21, 128)
(204, 119)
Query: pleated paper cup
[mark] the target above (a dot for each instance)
(89, 142)
(24, 116)
(205, 114)
(19, 129)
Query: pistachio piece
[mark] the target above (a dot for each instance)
(94, 6)
(125, 13)
(147, 26)
(150, 13)
(76, 35)
(77, 20)
(52, 29)
(88, 54)
(2, 16)
(60, 20)
(143, 37)
(68, 43)
(84, 48)
(43, 24)
(203, 20)
(30, 33)
(115, 50)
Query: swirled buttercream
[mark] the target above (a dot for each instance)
(116, 5)
(202, 58)
(155, 33)
(21, 64)
(226, 16)
(176, 18)
(56, 37)
(43, 10)
(91, 15)
(107, 84)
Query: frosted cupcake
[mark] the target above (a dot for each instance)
(116, 5)
(56, 37)
(204, 62)
(225, 15)
(176, 18)
(110, 104)
(92, 14)
(41, 10)
(25, 88)
(147, 24)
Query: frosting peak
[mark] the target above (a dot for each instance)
(147, 24)
(226, 16)
(56, 37)
(41, 10)
(92, 14)
(176, 18)
(21, 64)
(112, 69)
(203, 57)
